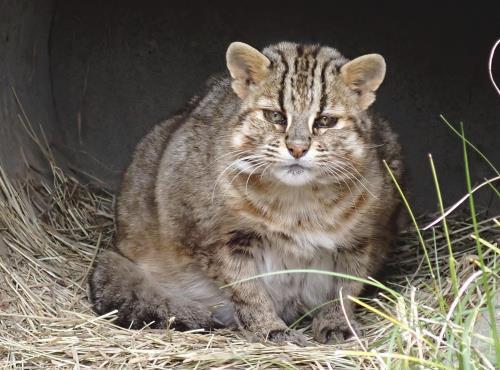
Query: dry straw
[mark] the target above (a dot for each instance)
(51, 233)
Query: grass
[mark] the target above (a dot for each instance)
(435, 310)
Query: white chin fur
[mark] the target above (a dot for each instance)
(293, 179)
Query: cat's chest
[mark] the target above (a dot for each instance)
(305, 222)
(305, 233)
(294, 292)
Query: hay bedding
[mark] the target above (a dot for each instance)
(49, 238)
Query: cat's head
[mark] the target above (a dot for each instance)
(302, 117)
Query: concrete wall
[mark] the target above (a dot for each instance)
(118, 67)
(25, 72)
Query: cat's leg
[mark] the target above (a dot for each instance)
(331, 323)
(254, 310)
(117, 283)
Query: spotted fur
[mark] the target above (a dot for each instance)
(278, 166)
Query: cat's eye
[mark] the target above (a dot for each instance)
(275, 117)
(325, 122)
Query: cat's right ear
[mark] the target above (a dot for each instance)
(247, 67)
(364, 75)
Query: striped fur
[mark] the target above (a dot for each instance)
(247, 181)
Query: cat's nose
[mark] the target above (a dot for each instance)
(297, 150)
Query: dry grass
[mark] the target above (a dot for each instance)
(50, 235)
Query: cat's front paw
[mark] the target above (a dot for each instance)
(283, 336)
(331, 331)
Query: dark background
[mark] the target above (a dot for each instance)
(97, 75)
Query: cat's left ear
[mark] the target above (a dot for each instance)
(364, 75)
(247, 66)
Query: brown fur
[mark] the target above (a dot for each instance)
(212, 196)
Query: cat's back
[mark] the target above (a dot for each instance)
(137, 204)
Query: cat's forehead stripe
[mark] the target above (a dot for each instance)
(313, 71)
(301, 90)
(322, 103)
(283, 79)
(304, 75)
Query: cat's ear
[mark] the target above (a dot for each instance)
(364, 75)
(247, 67)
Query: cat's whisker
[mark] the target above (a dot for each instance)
(243, 170)
(234, 152)
(232, 164)
(251, 173)
(346, 161)
(341, 160)
(265, 169)
(220, 177)
(340, 179)
(337, 179)
(351, 177)
(372, 146)
(333, 170)
(361, 180)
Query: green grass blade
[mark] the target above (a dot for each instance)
(373, 283)
(451, 257)
(414, 221)
(489, 299)
(465, 141)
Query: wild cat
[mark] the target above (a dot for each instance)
(279, 166)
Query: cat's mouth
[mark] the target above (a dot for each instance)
(296, 169)
(294, 173)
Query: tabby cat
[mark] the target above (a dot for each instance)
(279, 166)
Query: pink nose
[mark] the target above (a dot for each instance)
(297, 150)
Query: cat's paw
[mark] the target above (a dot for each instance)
(136, 314)
(333, 331)
(192, 315)
(283, 336)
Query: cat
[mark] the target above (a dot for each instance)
(279, 166)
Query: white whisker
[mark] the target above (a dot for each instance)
(251, 173)
(265, 169)
(335, 172)
(362, 180)
(234, 152)
(229, 167)
(243, 170)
